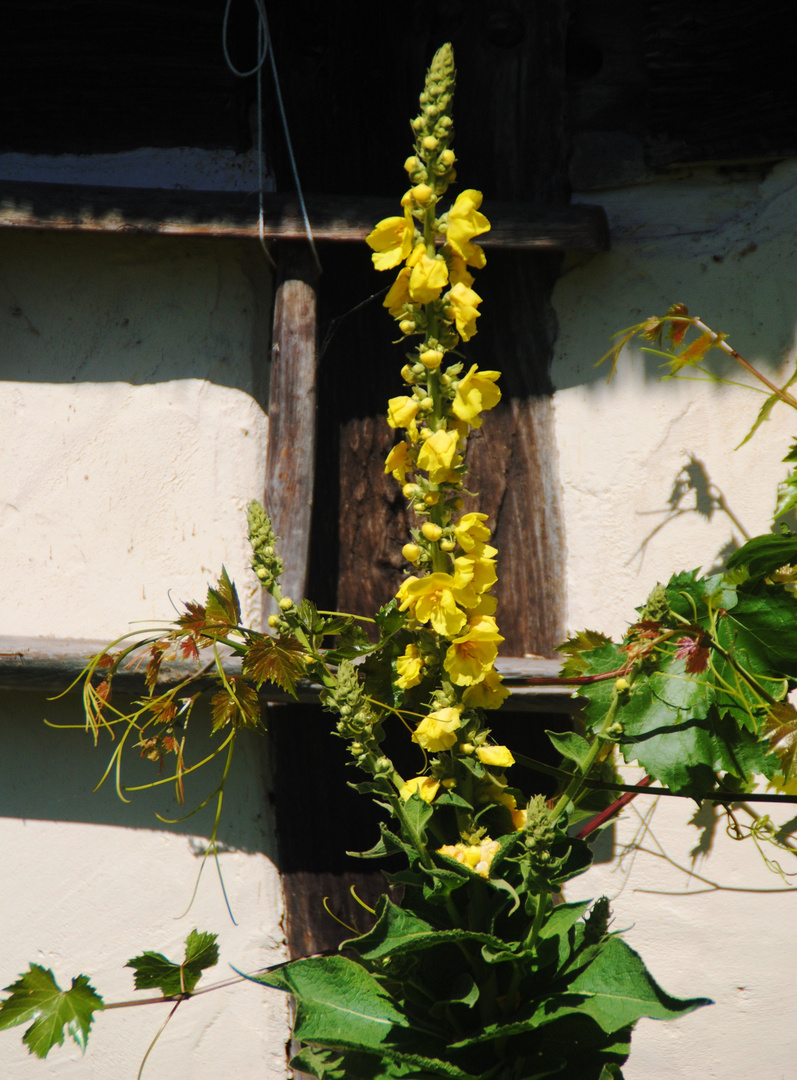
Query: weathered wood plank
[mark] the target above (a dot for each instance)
(216, 213)
(290, 466)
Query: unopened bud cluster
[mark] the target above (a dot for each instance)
(432, 164)
(265, 561)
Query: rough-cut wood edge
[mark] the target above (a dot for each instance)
(233, 214)
(51, 664)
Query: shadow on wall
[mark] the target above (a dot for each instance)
(49, 774)
(136, 309)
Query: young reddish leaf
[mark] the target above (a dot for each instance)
(695, 353)
(194, 618)
(55, 1012)
(222, 607)
(154, 972)
(156, 653)
(696, 652)
(651, 329)
(640, 637)
(276, 660)
(188, 648)
(780, 729)
(240, 708)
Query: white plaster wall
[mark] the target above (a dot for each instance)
(727, 247)
(132, 383)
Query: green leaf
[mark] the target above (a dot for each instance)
(275, 660)
(238, 706)
(619, 990)
(55, 1012)
(398, 932)
(222, 607)
(154, 971)
(570, 745)
(574, 648)
(340, 1006)
(763, 554)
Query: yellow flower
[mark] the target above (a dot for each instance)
(462, 302)
(391, 240)
(401, 413)
(475, 393)
(398, 463)
(465, 222)
(487, 694)
(477, 574)
(471, 530)
(476, 856)
(499, 756)
(433, 599)
(438, 455)
(409, 667)
(426, 787)
(429, 276)
(473, 654)
(457, 270)
(437, 731)
(398, 294)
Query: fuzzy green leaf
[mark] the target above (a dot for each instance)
(619, 990)
(398, 932)
(55, 1012)
(154, 971)
(570, 745)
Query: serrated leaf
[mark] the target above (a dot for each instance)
(238, 706)
(583, 641)
(55, 1012)
(153, 971)
(766, 409)
(275, 660)
(763, 554)
(222, 607)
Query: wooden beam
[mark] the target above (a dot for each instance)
(50, 665)
(65, 207)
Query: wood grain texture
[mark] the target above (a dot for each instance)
(290, 470)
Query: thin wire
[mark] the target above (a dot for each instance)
(265, 50)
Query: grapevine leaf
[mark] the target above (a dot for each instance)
(154, 972)
(276, 660)
(222, 607)
(194, 618)
(766, 409)
(238, 706)
(575, 647)
(55, 1012)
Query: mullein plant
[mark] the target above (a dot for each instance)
(481, 969)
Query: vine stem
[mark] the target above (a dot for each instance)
(720, 344)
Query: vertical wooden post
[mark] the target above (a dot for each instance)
(290, 468)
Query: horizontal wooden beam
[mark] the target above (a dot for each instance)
(337, 218)
(50, 665)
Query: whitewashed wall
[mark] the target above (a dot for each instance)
(133, 384)
(725, 246)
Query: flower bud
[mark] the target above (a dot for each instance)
(621, 685)
(274, 622)
(429, 142)
(407, 326)
(432, 498)
(426, 433)
(431, 531)
(426, 404)
(407, 374)
(286, 603)
(466, 748)
(412, 163)
(411, 552)
(409, 491)
(447, 157)
(447, 545)
(431, 359)
(422, 194)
